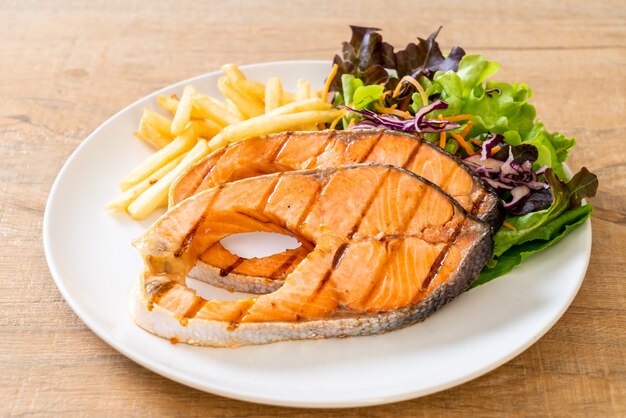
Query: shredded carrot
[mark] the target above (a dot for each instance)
(475, 141)
(495, 149)
(442, 135)
(390, 111)
(418, 86)
(393, 106)
(465, 131)
(351, 124)
(337, 119)
(508, 225)
(321, 126)
(331, 76)
(457, 118)
(467, 147)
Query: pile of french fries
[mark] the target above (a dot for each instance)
(201, 124)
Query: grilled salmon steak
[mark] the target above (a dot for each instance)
(307, 150)
(387, 248)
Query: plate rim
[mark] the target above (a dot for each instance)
(172, 374)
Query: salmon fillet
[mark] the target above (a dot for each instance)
(388, 248)
(308, 150)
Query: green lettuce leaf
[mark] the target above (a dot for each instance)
(473, 70)
(545, 236)
(365, 95)
(349, 85)
(497, 107)
(553, 148)
(565, 196)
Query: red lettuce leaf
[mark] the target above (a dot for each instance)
(369, 58)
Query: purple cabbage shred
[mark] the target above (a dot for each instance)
(511, 175)
(417, 124)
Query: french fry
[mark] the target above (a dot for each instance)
(122, 201)
(303, 106)
(204, 107)
(154, 129)
(273, 94)
(287, 98)
(160, 122)
(268, 124)
(206, 128)
(200, 124)
(183, 111)
(250, 88)
(157, 194)
(232, 107)
(233, 72)
(169, 103)
(151, 135)
(249, 106)
(179, 145)
(303, 90)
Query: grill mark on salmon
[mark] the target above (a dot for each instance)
(280, 148)
(478, 202)
(371, 148)
(339, 255)
(241, 314)
(434, 269)
(285, 266)
(189, 237)
(412, 156)
(198, 303)
(321, 150)
(317, 290)
(270, 192)
(309, 207)
(187, 241)
(368, 205)
(207, 173)
(225, 272)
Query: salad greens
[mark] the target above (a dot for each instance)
(373, 61)
(567, 196)
(492, 127)
(545, 236)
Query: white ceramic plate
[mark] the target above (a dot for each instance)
(90, 257)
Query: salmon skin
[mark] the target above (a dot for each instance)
(308, 150)
(388, 248)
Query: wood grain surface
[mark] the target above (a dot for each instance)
(65, 67)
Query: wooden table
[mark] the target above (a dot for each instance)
(66, 67)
